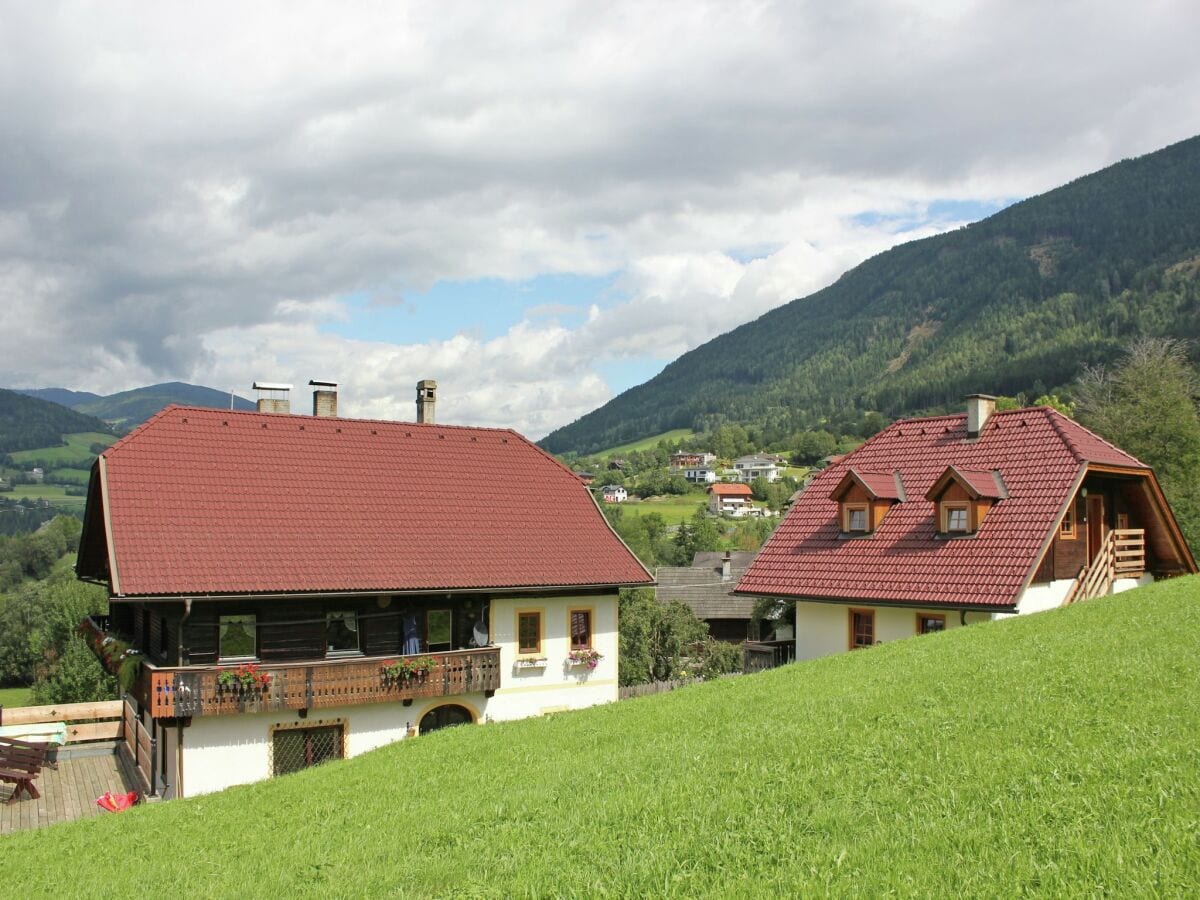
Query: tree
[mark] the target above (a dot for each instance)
(659, 641)
(1146, 405)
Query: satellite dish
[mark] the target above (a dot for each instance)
(480, 632)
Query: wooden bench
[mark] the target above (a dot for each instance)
(20, 763)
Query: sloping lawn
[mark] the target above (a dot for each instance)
(15, 696)
(1056, 755)
(78, 447)
(648, 443)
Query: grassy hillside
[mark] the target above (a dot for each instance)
(71, 448)
(130, 408)
(1054, 754)
(27, 423)
(647, 443)
(1019, 302)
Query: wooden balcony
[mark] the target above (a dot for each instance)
(195, 690)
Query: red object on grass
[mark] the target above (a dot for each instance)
(117, 802)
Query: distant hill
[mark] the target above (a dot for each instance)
(27, 423)
(61, 396)
(130, 408)
(1018, 302)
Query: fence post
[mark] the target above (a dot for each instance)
(153, 762)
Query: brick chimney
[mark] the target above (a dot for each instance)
(273, 397)
(979, 409)
(726, 562)
(324, 398)
(426, 399)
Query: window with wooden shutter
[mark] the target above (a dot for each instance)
(862, 628)
(529, 632)
(581, 629)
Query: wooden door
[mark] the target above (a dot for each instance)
(1095, 524)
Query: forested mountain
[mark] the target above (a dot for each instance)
(61, 396)
(27, 423)
(130, 408)
(1016, 303)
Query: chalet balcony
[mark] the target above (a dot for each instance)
(197, 690)
(186, 691)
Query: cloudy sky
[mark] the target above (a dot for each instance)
(537, 204)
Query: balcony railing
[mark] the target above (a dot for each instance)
(197, 691)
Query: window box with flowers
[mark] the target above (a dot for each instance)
(248, 678)
(407, 670)
(586, 657)
(530, 662)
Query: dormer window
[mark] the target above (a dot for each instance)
(964, 497)
(864, 498)
(956, 517)
(856, 518)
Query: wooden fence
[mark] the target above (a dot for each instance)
(87, 723)
(655, 687)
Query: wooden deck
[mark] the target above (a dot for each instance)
(68, 792)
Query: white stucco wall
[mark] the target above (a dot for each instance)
(824, 628)
(1128, 584)
(221, 751)
(530, 692)
(1039, 597)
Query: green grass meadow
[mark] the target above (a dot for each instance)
(15, 696)
(56, 494)
(77, 447)
(1050, 755)
(647, 443)
(674, 510)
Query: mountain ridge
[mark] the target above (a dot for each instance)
(129, 408)
(1018, 302)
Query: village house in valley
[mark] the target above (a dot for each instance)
(706, 588)
(935, 523)
(730, 499)
(310, 587)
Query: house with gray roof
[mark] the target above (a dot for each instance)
(706, 588)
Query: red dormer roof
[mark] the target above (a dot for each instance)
(204, 501)
(878, 485)
(1041, 456)
(978, 483)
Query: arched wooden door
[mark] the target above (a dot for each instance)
(446, 716)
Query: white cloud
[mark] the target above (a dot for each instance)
(189, 192)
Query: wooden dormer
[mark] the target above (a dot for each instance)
(964, 497)
(864, 498)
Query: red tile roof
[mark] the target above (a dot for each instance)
(205, 501)
(880, 485)
(731, 490)
(1040, 454)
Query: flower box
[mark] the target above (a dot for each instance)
(530, 663)
(590, 658)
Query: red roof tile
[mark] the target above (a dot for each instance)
(1039, 454)
(205, 501)
(731, 490)
(880, 485)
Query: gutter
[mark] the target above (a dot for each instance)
(375, 592)
(894, 604)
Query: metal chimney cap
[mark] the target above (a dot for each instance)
(327, 384)
(271, 386)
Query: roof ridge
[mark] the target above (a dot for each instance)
(117, 445)
(1057, 419)
(306, 417)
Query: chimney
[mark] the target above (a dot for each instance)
(725, 564)
(426, 398)
(273, 397)
(979, 409)
(324, 398)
